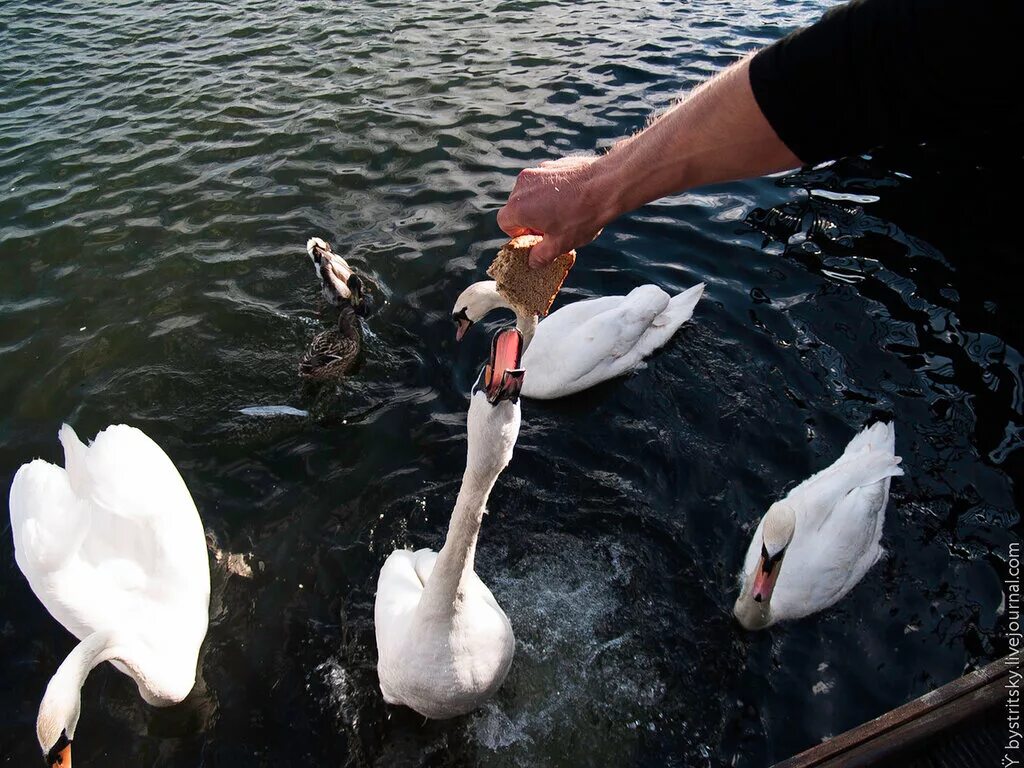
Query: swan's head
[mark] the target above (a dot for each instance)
(473, 304)
(57, 720)
(493, 421)
(776, 534)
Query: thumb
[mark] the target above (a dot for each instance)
(544, 252)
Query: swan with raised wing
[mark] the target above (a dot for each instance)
(444, 644)
(113, 547)
(814, 546)
(586, 342)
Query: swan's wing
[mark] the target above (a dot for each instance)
(399, 589)
(821, 568)
(817, 497)
(565, 319)
(141, 510)
(48, 523)
(600, 348)
(114, 541)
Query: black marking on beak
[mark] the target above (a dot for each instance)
(55, 756)
(510, 387)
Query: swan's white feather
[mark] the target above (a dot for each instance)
(839, 517)
(587, 342)
(113, 542)
(444, 644)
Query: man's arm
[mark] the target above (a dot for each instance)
(870, 73)
(717, 133)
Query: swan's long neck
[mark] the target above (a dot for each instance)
(77, 665)
(527, 325)
(60, 705)
(455, 560)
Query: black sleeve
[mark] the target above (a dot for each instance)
(894, 72)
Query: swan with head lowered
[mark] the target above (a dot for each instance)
(113, 547)
(444, 645)
(586, 342)
(815, 545)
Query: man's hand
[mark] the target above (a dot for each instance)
(560, 201)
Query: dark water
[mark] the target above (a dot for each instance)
(161, 167)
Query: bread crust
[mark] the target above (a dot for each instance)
(530, 291)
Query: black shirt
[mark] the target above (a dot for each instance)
(896, 72)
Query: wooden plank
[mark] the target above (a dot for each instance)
(911, 723)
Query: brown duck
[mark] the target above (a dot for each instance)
(333, 353)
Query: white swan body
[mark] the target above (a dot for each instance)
(814, 546)
(586, 342)
(444, 644)
(113, 547)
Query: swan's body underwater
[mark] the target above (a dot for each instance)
(586, 342)
(814, 546)
(113, 547)
(444, 644)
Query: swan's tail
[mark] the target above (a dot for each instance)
(680, 309)
(880, 436)
(871, 455)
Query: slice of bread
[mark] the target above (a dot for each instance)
(529, 291)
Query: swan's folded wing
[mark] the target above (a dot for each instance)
(566, 319)
(399, 589)
(125, 473)
(50, 524)
(142, 511)
(820, 495)
(595, 350)
(47, 520)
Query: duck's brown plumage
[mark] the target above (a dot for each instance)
(333, 353)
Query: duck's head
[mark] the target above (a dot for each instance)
(357, 297)
(493, 421)
(473, 304)
(56, 722)
(776, 535)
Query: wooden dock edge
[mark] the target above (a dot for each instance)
(907, 726)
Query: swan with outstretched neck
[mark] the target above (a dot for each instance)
(444, 644)
(586, 342)
(814, 546)
(113, 547)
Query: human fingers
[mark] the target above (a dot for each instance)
(546, 251)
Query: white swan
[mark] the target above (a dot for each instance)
(586, 342)
(444, 645)
(815, 545)
(113, 547)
